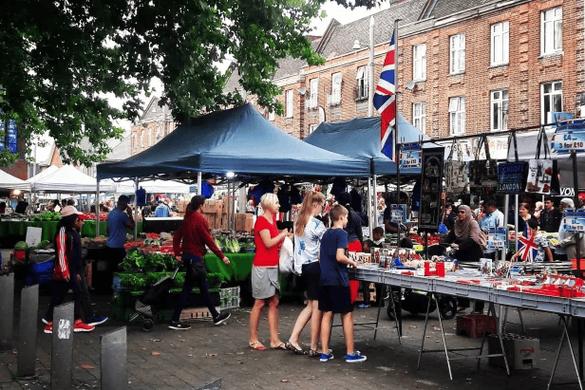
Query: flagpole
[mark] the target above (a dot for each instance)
(396, 147)
(372, 207)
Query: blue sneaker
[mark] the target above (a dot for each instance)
(97, 320)
(355, 357)
(363, 305)
(325, 357)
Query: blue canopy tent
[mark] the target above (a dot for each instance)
(360, 138)
(238, 140)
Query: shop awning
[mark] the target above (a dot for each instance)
(9, 182)
(238, 140)
(66, 179)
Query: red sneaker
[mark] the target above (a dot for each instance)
(81, 326)
(48, 329)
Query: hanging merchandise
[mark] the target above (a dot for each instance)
(430, 203)
(456, 177)
(512, 175)
(542, 177)
(483, 173)
(141, 197)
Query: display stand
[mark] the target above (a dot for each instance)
(564, 335)
(456, 351)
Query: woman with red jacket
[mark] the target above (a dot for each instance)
(190, 241)
(67, 273)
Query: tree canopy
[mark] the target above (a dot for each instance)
(62, 60)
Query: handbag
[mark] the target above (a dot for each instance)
(483, 173)
(512, 175)
(542, 175)
(286, 258)
(456, 177)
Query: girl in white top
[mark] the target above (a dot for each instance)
(307, 239)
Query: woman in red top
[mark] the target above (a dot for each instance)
(265, 272)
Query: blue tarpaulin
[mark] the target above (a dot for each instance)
(238, 140)
(360, 138)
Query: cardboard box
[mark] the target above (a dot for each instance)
(212, 206)
(244, 222)
(225, 202)
(213, 220)
(522, 352)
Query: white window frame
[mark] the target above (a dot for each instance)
(288, 103)
(556, 92)
(551, 31)
(271, 115)
(457, 54)
(419, 116)
(312, 128)
(457, 115)
(314, 93)
(362, 81)
(500, 43)
(336, 83)
(419, 62)
(499, 106)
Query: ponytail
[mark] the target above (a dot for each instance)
(306, 212)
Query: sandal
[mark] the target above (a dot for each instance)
(281, 346)
(257, 346)
(296, 350)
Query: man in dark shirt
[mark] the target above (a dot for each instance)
(550, 218)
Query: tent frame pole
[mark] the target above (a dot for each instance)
(136, 184)
(97, 208)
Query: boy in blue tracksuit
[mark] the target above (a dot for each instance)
(334, 286)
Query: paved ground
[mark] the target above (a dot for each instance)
(163, 359)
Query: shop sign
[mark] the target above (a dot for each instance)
(497, 238)
(2, 128)
(569, 138)
(12, 136)
(398, 213)
(567, 192)
(573, 221)
(410, 156)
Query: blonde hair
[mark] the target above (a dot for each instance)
(337, 212)
(306, 211)
(268, 200)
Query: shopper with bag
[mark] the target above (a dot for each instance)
(265, 285)
(189, 242)
(307, 236)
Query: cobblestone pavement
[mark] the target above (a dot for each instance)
(164, 359)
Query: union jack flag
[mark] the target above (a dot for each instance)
(527, 247)
(385, 101)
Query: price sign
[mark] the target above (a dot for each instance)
(410, 156)
(573, 221)
(569, 138)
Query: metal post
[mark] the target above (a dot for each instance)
(136, 184)
(371, 70)
(97, 209)
(7, 310)
(114, 349)
(396, 147)
(374, 199)
(62, 347)
(27, 334)
(516, 220)
(199, 183)
(506, 212)
(369, 209)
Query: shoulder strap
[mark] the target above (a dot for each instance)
(512, 138)
(487, 147)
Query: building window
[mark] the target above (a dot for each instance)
(314, 93)
(419, 62)
(288, 104)
(335, 97)
(551, 100)
(457, 115)
(312, 128)
(419, 116)
(551, 31)
(362, 83)
(499, 110)
(500, 43)
(457, 57)
(271, 115)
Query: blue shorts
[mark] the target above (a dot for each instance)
(335, 299)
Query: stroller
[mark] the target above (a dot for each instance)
(154, 296)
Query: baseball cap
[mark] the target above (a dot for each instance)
(69, 210)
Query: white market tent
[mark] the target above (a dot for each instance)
(9, 182)
(67, 179)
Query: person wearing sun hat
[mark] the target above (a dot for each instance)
(67, 270)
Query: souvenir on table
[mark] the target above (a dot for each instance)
(573, 221)
(497, 238)
(486, 266)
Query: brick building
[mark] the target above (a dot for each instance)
(464, 66)
(154, 124)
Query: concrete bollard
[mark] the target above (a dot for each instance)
(114, 375)
(62, 347)
(28, 330)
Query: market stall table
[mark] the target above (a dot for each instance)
(17, 228)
